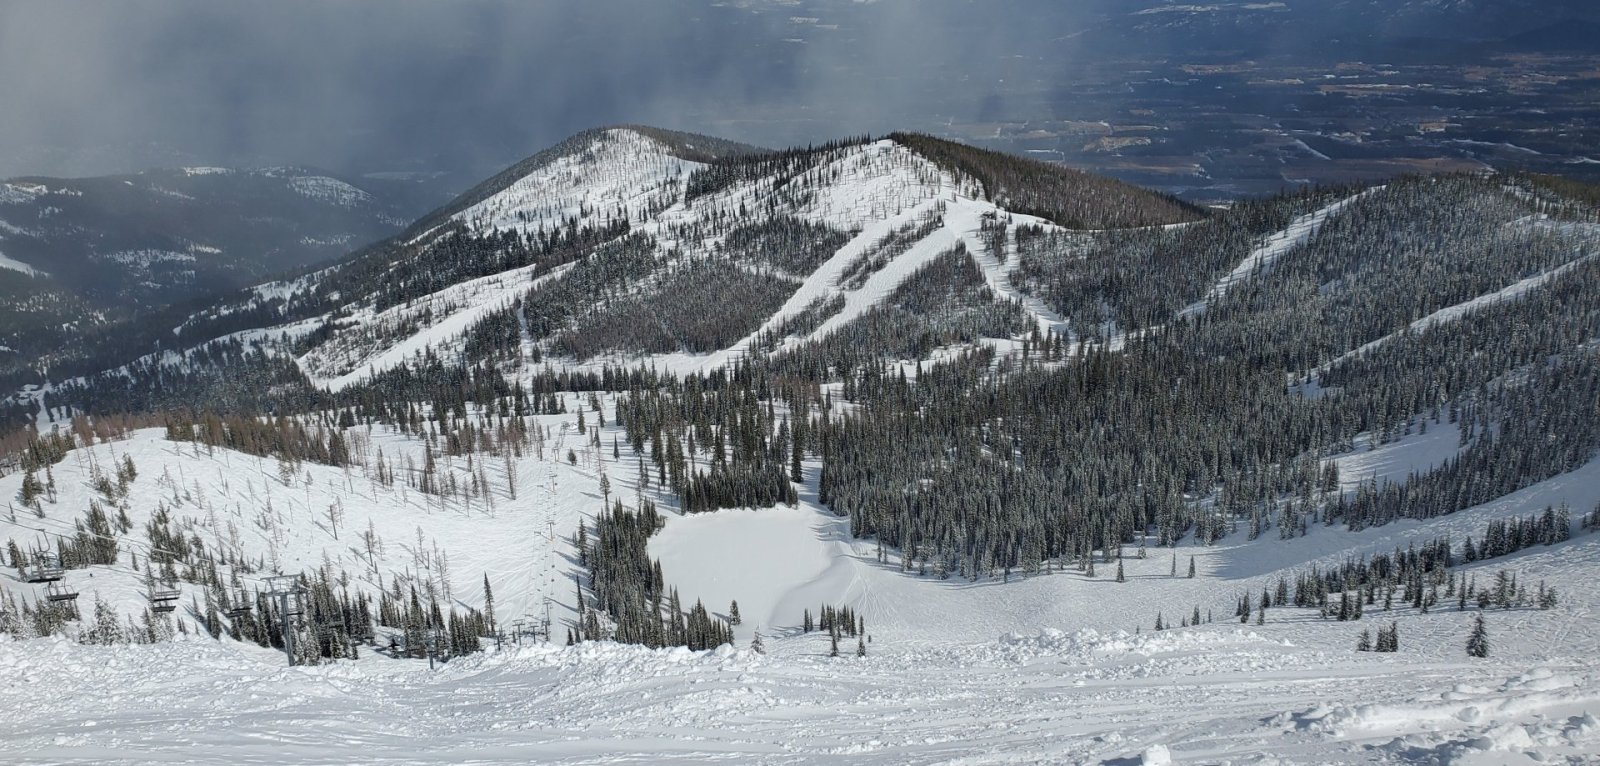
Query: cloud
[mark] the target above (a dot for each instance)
(354, 82)
(365, 85)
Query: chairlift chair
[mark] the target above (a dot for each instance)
(46, 568)
(57, 592)
(164, 600)
(241, 606)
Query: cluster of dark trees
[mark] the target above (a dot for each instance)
(1131, 279)
(1389, 258)
(703, 305)
(778, 169)
(425, 628)
(888, 247)
(944, 302)
(750, 457)
(783, 242)
(1388, 639)
(1502, 537)
(1070, 198)
(628, 599)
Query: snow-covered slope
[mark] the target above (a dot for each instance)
(1049, 668)
(688, 197)
(1215, 695)
(623, 173)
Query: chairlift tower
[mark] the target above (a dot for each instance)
(291, 604)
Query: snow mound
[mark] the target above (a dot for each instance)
(1156, 755)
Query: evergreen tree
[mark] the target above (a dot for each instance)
(1478, 641)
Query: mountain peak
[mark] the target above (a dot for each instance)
(664, 151)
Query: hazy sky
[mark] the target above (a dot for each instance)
(97, 86)
(94, 87)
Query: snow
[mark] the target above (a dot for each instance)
(147, 257)
(14, 230)
(1275, 246)
(18, 194)
(1396, 460)
(241, 503)
(1046, 668)
(329, 190)
(1211, 695)
(350, 358)
(623, 170)
(16, 265)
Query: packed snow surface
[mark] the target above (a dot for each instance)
(1213, 695)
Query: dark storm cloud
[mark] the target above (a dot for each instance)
(358, 82)
(93, 87)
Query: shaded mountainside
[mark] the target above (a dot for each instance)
(80, 257)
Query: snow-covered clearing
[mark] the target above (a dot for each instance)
(329, 190)
(1394, 461)
(247, 507)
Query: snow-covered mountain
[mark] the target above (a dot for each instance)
(1081, 473)
(78, 257)
(616, 224)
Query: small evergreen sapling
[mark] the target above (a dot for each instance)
(1478, 641)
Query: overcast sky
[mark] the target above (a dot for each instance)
(365, 85)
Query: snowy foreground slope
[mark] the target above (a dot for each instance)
(1211, 695)
(944, 681)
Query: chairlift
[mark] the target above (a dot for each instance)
(162, 601)
(46, 568)
(57, 592)
(241, 607)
